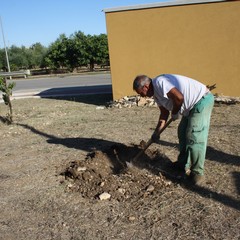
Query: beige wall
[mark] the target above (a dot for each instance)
(201, 41)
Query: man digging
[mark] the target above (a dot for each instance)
(186, 97)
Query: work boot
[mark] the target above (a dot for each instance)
(176, 166)
(196, 179)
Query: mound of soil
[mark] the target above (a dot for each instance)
(113, 173)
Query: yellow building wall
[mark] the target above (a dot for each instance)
(201, 41)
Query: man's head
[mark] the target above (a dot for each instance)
(142, 84)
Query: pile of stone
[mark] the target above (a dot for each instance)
(130, 101)
(226, 99)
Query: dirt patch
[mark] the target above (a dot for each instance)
(60, 155)
(113, 172)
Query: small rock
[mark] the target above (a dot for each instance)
(70, 185)
(142, 102)
(132, 98)
(87, 176)
(64, 224)
(150, 188)
(168, 183)
(131, 218)
(61, 179)
(152, 103)
(121, 190)
(100, 107)
(104, 196)
(79, 169)
(118, 105)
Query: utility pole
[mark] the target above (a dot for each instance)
(5, 47)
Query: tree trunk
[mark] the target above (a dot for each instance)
(91, 66)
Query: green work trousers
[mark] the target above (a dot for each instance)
(193, 135)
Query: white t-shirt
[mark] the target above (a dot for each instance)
(191, 90)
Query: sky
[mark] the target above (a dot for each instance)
(26, 22)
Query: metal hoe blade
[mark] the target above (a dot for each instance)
(150, 142)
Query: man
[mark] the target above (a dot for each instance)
(186, 97)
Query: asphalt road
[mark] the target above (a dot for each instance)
(63, 85)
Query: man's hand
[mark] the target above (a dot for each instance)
(175, 116)
(155, 136)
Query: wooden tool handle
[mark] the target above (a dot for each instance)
(165, 126)
(150, 141)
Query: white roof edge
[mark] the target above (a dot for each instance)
(160, 4)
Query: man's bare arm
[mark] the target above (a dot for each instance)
(177, 99)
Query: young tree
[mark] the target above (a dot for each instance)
(6, 90)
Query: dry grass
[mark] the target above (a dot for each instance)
(49, 134)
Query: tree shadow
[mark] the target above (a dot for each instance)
(96, 95)
(120, 155)
(236, 177)
(5, 120)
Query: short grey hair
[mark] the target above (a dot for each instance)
(140, 81)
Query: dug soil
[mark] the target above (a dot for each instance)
(67, 173)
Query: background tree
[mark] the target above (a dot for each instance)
(77, 50)
(65, 53)
(18, 58)
(35, 55)
(97, 50)
(3, 63)
(57, 52)
(102, 50)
